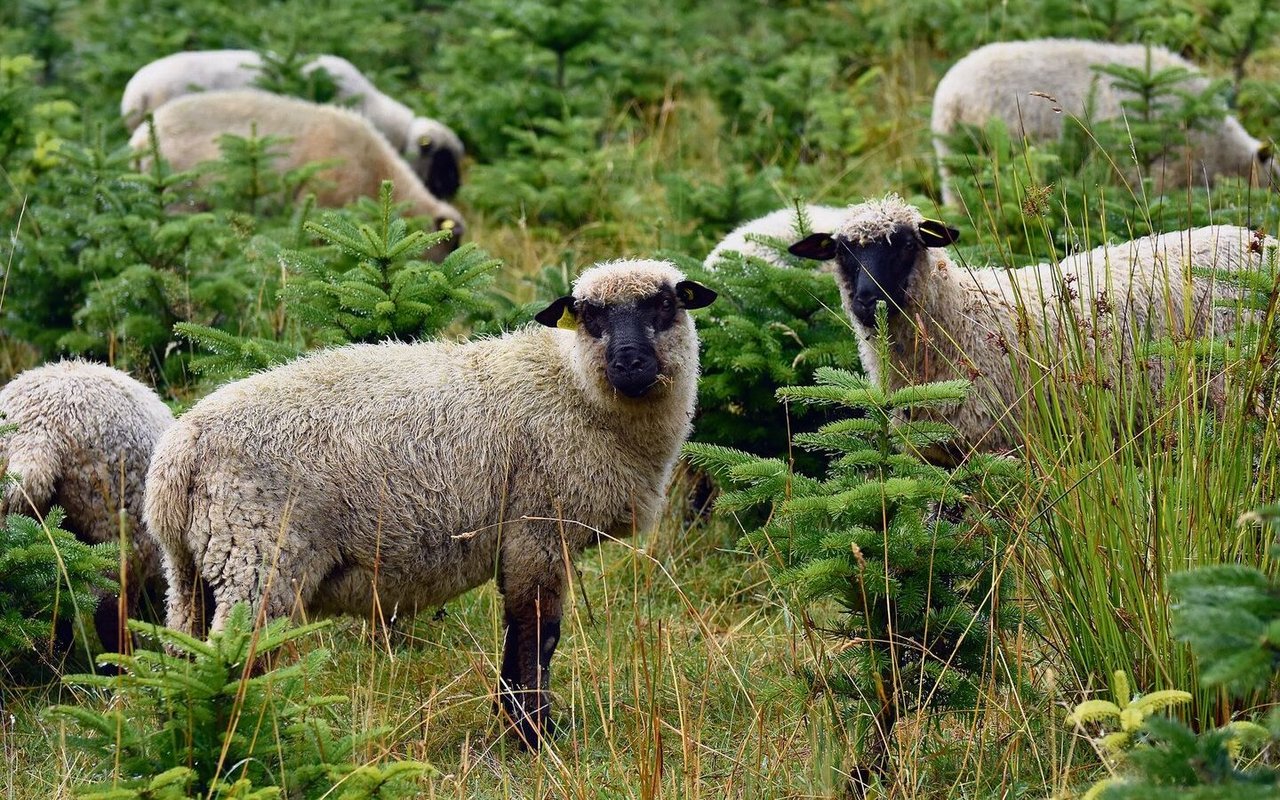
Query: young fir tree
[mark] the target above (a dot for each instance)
(367, 284)
(901, 548)
(197, 720)
(771, 327)
(1159, 111)
(282, 73)
(47, 576)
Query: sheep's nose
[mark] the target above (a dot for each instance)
(629, 357)
(866, 297)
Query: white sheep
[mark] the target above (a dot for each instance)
(433, 150)
(780, 225)
(1033, 86)
(948, 321)
(371, 479)
(187, 131)
(85, 434)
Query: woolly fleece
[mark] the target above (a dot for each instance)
(85, 434)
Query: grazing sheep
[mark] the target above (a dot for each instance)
(85, 434)
(187, 130)
(433, 150)
(1033, 85)
(780, 224)
(947, 321)
(371, 479)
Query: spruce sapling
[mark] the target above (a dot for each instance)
(900, 546)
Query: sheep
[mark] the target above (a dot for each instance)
(84, 436)
(433, 150)
(1033, 85)
(780, 225)
(187, 132)
(946, 321)
(387, 477)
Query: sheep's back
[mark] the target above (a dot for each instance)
(1033, 85)
(396, 449)
(98, 427)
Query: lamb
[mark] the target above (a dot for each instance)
(85, 434)
(946, 321)
(433, 150)
(381, 478)
(780, 225)
(187, 131)
(1033, 85)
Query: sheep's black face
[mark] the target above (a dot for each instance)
(879, 270)
(443, 177)
(629, 331)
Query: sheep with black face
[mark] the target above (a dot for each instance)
(951, 321)
(397, 476)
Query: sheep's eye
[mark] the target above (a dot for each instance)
(592, 317)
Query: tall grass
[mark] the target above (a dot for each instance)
(1137, 477)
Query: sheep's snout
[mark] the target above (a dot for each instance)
(864, 308)
(443, 174)
(631, 367)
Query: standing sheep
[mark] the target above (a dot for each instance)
(397, 476)
(1033, 85)
(780, 225)
(85, 434)
(187, 130)
(433, 150)
(947, 321)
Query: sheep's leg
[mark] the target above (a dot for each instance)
(532, 580)
(279, 583)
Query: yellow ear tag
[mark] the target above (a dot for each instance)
(827, 242)
(567, 321)
(448, 225)
(424, 141)
(687, 294)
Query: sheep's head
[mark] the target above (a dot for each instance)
(629, 317)
(434, 152)
(1267, 166)
(878, 249)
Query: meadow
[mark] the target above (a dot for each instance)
(693, 663)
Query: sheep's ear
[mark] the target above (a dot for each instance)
(818, 246)
(694, 295)
(1265, 152)
(559, 314)
(935, 233)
